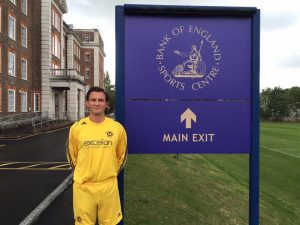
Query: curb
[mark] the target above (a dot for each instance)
(20, 137)
(33, 216)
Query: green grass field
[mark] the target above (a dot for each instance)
(213, 189)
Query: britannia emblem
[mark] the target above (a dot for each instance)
(189, 57)
(193, 66)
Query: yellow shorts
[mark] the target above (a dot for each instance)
(92, 200)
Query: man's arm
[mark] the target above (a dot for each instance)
(72, 149)
(121, 150)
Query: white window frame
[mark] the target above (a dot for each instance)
(89, 56)
(58, 48)
(87, 69)
(12, 35)
(0, 58)
(53, 44)
(23, 107)
(0, 19)
(35, 101)
(56, 70)
(87, 38)
(75, 49)
(26, 68)
(0, 98)
(13, 2)
(24, 10)
(13, 109)
(12, 71)
(22, 36)
(53, 17)
(56, 45)
(56, 20)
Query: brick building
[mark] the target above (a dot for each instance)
(46, 66)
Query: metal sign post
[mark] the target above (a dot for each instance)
(187, 81)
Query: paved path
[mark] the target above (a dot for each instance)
(30, 169)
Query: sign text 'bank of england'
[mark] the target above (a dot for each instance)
(194, 67)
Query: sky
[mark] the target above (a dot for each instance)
(279, 40)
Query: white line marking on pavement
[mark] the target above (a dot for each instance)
(46, 132)
(2, 146)
(275, 150)
(32, 217)
(55, 167)
(30, 166)
(5, 164)
(8, 165)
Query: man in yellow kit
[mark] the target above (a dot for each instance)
(96, 150)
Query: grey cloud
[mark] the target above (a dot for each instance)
(291, 61)
(277, 20)
(98, 9)
(82, 2)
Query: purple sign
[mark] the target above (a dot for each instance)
(188, 127)
(187, 81)
(187, 57)
(188, 84)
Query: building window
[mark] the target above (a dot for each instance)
(13, 1)
(56, 19)
(24, 36)
(56, 46)
(76, 50)
(87, 56)
(0, 19)
(24, 6)
(11, 100)
(11, 27)
(23, 69)
(87, 72)
(56, 70)
(53, 17)
(87, 38)
(11, 64)
(0, 58)
(23, 101)
(36, 101)
(76, 66)
(0, 97)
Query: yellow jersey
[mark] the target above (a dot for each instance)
(96, 151)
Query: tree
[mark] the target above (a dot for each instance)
(278, 103)
(110, 89)
(265, 110)
(294, 101)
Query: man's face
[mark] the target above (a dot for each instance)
(97, 103)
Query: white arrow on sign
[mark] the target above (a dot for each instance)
(188, 116)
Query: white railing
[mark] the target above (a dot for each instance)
(46, 118)
(19, 116)
(11, 121)
(36, 119)
(66, 74)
